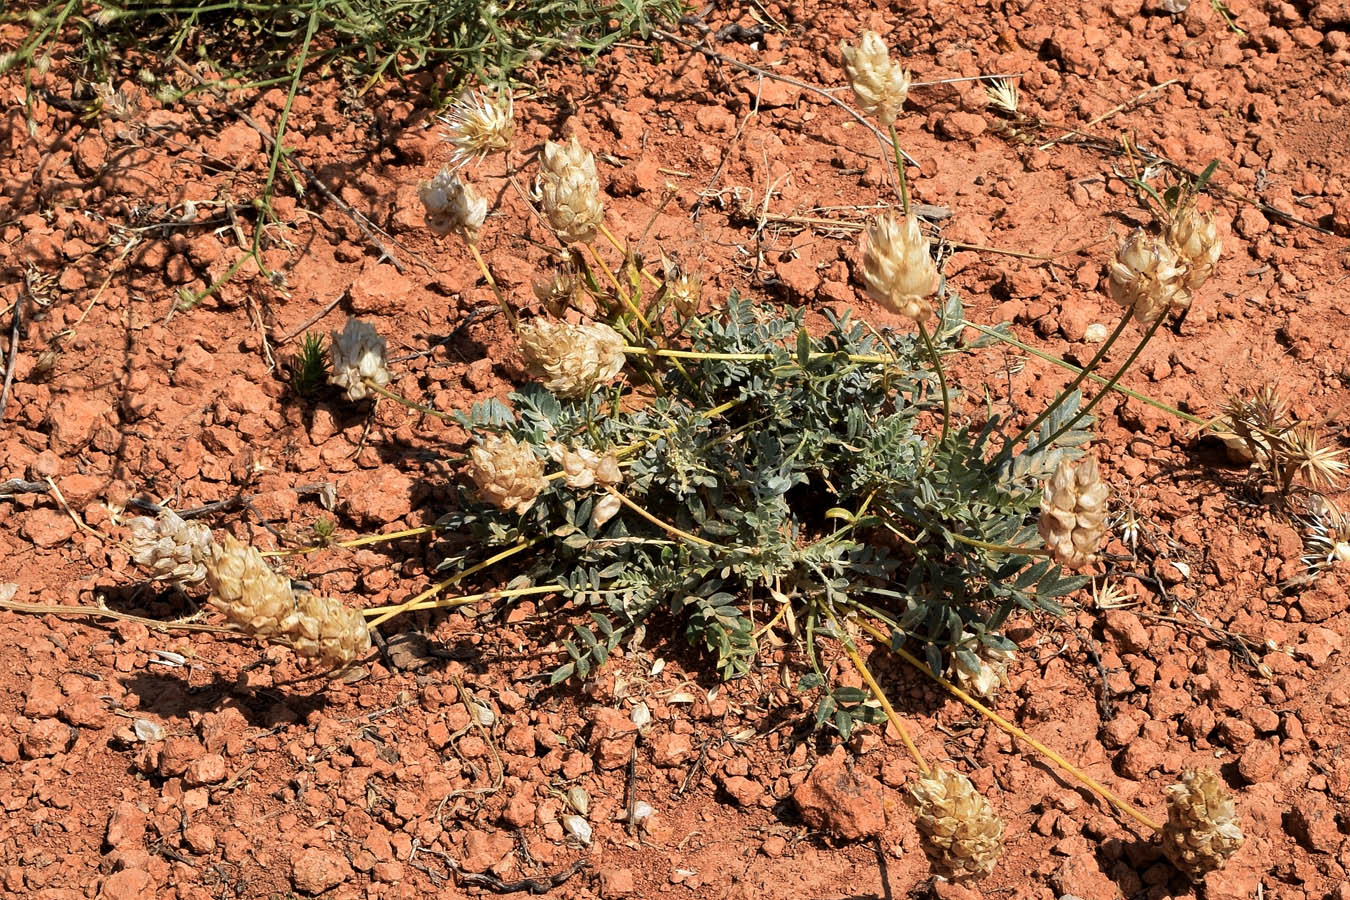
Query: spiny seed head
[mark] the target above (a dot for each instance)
(1320, 466)
(507, 473)
(174, 550)
(568, 191)
(898, 271)
(988, 672)
(477, 126)
(571, 360)
(1201, 831)
(1073, 513)
(960, 832)
(452, 205)
(1146, 278)
(1195, 237)
(358, 354)
(261, 602)
(1326, 534)
(879, 84)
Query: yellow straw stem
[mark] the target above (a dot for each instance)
(492, 283)
(881, 697)
(1092, 784)
(746, 357)
(664, 526)
(623, 295)
(421, 600)
(617, 245)
(355, 542)
(435, 589)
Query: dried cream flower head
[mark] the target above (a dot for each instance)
(568, 191)
(1146, 278)
(880, 84)
(1073, 513)
(683, 289)
(898, 271)
(1195, 237)
(583, 468)
(477, 126)
(507, 473)
(959, 831)
(984, 675)
(358, 354)
(261, 602)
(174, 550)
(1201, 831)
(452, 205)
(571, 360)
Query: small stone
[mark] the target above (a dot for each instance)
(773, 847)
(1259, 762)
(378, 497)
(200, 838)
(42, 699)
(1313, 823)
(838, 801)
(671, 750)
(126, 827)
(47, 527)
(744, 791)
(208, 769)
(1140, 758)
(615, 883)
(484, 849)
(962, 126)
(1126, 628)
(315, 871)
(47, 737)
(177, 754)
(128, 884)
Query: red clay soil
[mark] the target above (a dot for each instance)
(267, 782)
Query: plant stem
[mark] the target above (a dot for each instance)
(664, 526)
(1068, 366)
(492, 283)
(421, 601)
(942, 381)
(440, 586)
(877, 692)
(900, 170)
(1091, 783)
(617, 245)
(1073, 386)
(397, 398)
(355, 542)
(1124, 367)
(997, 548)
(623, 295)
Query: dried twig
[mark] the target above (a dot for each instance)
(13, 353)
(308, 323)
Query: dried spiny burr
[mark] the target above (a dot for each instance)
(358, 354)
(174, 550)
(898, 270)
(477, 126)
(1195, 237)
(1146, 278)
(879, 84)
(568, 191)
(959, 831)
(261, 602)
(1073, 513)
(572, 360)
(453, 206)
(507, 473)
(1201, 831)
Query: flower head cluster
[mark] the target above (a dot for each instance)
(358, 354)
(507, 473)
(1147, 278)
(572, 360)
(176, 551)
(260, 602)
(452, 205)
(477, 126)
(1201, 831)
(583, 468)
(989, 671)
(1195, 237)
(568, 191)
(959, 830)
(683, 289)
(1073, 513)
(879, 83)
(898, 270)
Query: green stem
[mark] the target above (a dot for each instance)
(997, 548)
(1073, 386)
(900, 169)
(397, 398)
(1068, 366)
(942, 380)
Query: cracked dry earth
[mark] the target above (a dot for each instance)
(138, 763)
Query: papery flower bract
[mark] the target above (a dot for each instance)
(1146, 278)
(507, 473)
(477, 126)
(571, 360)
(1073, 513)
(898, 271)
(568, 191)
(958, 828)
(174, 550)
(452, 205)
(991, 673)
(1201, 831)
(1195, 238)
(879, 84)
(358, 355)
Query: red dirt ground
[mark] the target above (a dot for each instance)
(268, 782)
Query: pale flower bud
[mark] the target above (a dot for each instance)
(1201, 831)
(172, 549)
(898, 271)
(991, 673)
(1146, 278)
(958, 828)
(452, 205)
(571, 360)
(1073, 513)
(1195, 237)
(879, 84)
(477, 126)
(507, 473)
(568, 191)
(683, 289)
(358, 355)
(583, 467)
